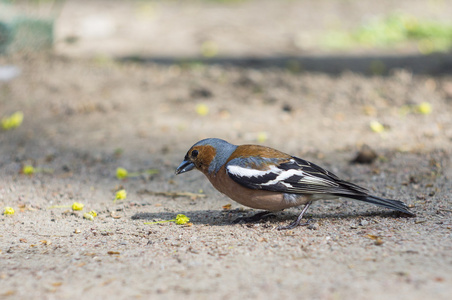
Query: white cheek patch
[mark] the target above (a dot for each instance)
(245, 172)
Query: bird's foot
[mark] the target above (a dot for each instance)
(294, 224)
(254, 218)
(297, 222)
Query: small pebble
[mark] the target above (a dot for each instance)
(201, 93)
(287, 108)
(378, 242)
(363, 223)
(365, 155)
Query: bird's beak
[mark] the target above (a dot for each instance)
(185, 166)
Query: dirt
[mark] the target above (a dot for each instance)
(85, 117)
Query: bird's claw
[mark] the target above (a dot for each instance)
(294, 224)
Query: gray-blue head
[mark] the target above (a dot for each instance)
(207, 155)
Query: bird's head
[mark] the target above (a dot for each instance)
(207, 155)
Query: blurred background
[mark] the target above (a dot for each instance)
(154, 77)
(226, 28)
(91, 88)
(150, 78)
(202, 64)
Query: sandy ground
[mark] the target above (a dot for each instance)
(86, 117)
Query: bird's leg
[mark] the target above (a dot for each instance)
(298, 220)
(254, 218)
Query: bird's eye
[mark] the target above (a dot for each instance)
(194, 153)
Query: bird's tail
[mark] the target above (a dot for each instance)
(387, 203)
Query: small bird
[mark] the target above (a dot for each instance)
(264, 178)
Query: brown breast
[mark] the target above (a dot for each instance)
(259, 199)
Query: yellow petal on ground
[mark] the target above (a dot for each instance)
(121, 195)
(8, 211)
(209, 49)
(424, 108)
(202, 109)
(77, 206)
(28, 170)
(13, 121)
(376, 126)
(121, 173)
(182, 219)
(179, 220)
(262, 137)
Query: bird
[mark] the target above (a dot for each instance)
(261, 177)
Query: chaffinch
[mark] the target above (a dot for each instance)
(264, 178)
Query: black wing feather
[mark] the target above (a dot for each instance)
(306, 178)
(311, 179)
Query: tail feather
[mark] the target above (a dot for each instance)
(387, 203)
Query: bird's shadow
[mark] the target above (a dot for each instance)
(230, 217)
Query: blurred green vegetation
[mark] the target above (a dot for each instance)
(394, 30)
(37, 2)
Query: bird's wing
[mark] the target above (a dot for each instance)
(293, 175)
